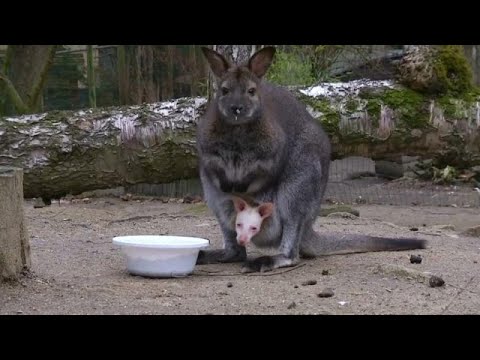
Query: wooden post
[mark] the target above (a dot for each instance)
(14, 242)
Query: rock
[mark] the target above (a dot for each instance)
(339, 209)
(402, 271)
(416, 259)
(436, 281)
(343, 215)
(474, 231)
(38, 204)
(291, 305)
(326, 293)
(388, 169)
(309, 282)
(445, 227)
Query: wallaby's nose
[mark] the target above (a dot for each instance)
(236, 109)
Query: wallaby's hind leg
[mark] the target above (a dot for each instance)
(289, 249)
(222, 207)
(298, 201)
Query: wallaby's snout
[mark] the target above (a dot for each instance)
(236, 109)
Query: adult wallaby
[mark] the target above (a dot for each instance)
(258, 139)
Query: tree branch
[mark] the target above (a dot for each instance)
(21, 107)
(37, 87)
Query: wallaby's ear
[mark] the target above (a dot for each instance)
(265, 210)
(217, 62)
(239, 204)
(261, 61)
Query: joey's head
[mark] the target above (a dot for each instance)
(238, 87)
(249, 219)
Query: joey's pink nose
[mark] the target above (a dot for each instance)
(243, 241)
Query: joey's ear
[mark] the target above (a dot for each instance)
(265, 210)
(217, 62)
(239, 204)
(261, 61)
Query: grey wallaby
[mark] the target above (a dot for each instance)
(257, 139)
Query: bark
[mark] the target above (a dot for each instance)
(66, 152)
(69, 152)
(122, 75)
(92, 97)
(193, 67)
(27, 73)
(14, 242)
(237, 54)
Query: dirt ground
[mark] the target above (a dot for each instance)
(77, 270)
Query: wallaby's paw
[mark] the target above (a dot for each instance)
(220, 256)
(267, 263)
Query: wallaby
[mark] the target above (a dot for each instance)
(249, 219)
(258, 139)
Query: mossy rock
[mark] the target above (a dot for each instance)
(339, 209)
(437, 70)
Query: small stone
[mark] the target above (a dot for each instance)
(229, 284)
(326, 293)
(296, 286)
(473, 231)
(413, 229)
(324, 272)
(291, 306)
(416, 259)
(309, 282)
(436, 281)
(126, 197)
(38, 204)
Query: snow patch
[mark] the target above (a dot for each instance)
(26, 118)
(345, 88)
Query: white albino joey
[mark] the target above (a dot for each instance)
(249, 219)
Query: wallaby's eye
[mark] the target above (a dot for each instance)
(253, 228)
(252, 91)
(225, 91)
(239, 225)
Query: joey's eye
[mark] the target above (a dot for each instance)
(239, 225)
(252, 91)
(225, 91)
(253, 228)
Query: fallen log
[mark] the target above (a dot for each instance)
(69, 152)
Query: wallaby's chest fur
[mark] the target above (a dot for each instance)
(241, 157)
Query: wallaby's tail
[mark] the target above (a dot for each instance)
(336, 243)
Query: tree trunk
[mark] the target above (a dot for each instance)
(66, 152)
(169, 73)
(92, 97)
(123, 77)
(14, 242)
(193, 67)
(237, 54)
(25, 75)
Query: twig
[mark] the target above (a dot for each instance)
(458, 293)
(58, 213)
(130, 219)
(215, 273)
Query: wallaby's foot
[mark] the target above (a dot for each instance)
(268, 263)
(221, 256)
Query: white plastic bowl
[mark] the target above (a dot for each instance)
(160, 256)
